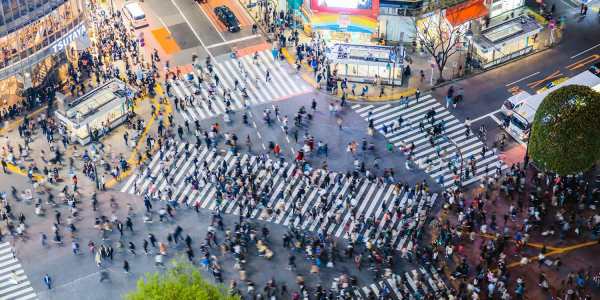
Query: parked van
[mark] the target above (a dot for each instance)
(521, 108)
(136, 16)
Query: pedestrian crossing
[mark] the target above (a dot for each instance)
(250, 74)
(414, 284)
(9, 289)
(441, 161)
(395, 215)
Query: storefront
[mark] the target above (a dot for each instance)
(96, 113)
(366, 63)
(343, 28)
(342, 21)
(462, 14)
(31, 50)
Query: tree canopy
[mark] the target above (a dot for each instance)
(565, 134)
(182, 282)
(438, 38)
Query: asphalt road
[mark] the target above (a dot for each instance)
(196, 30)
(486, 92)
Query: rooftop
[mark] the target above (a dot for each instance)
(502, 33)
(97, 102)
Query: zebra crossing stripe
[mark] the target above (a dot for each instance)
(358, 196)
(457, 142)
(8, 264)
(397, 289)
(369, 198)
(283, 85)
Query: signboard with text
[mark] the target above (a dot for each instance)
(350, 7)
(76, 33)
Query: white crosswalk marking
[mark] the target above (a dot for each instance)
(452, 148)
(9, 289)
(414, 284)
(393, 216)
(283, 83)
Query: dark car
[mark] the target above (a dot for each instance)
(228, 18)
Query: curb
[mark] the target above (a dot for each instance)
(357, 100)
(132, 159)
(447, 82)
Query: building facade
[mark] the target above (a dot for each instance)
(35, 36)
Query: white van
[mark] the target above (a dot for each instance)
(522, 117)
(510, 103)
(523, 112)
(137, 18)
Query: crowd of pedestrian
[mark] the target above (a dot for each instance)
(499, 221)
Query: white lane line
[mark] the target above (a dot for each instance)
(485, 116)
(585, 51)
(528, 76)
(211, 22)
(234, 41)
(192, 28)
(568, 3)
(163, 24)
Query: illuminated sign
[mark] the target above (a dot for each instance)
(351, 7)
(359, 4)
(77, 33)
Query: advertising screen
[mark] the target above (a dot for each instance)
(359, 4)
(361, 7)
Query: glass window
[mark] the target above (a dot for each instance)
(7, 11)
(32, 4)
(14, 7)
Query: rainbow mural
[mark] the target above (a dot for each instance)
(341, 22)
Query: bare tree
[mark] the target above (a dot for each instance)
(438, 38)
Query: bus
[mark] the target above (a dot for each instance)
(520, 109)
(133, 11)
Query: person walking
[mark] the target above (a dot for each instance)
(126, 266)
(48, 281)
(14, 278)
(449, 96)
(417, 95)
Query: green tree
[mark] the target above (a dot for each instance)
(565, 135)
(182, 282)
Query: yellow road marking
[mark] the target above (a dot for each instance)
(394, 96)
(12, 125)
(552, 76)
(558, 251)
(131, 161)
(583, 62)
(554, 250)
(534, 245)
(17, 170)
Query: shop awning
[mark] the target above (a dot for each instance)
(465, 12)
(340, 22)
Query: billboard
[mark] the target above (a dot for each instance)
(353, 7)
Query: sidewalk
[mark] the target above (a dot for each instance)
(573, 251)
(417, 61)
